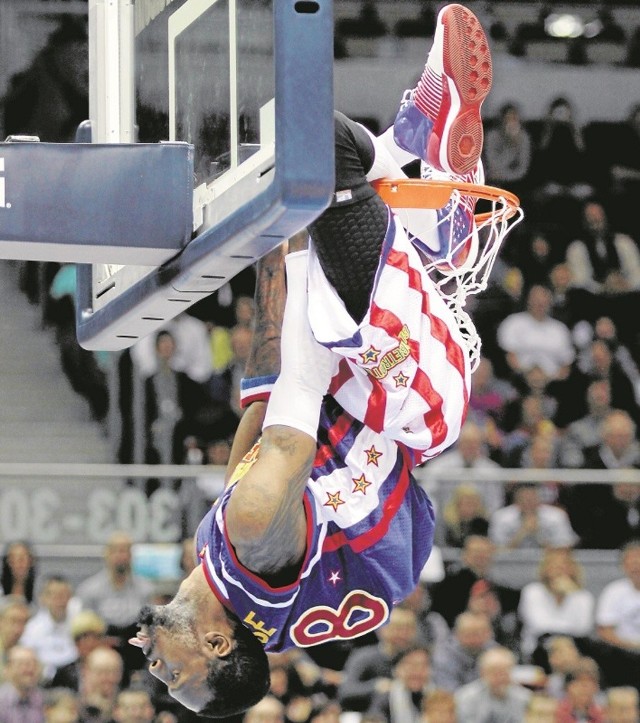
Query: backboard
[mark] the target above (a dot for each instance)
(248, 83)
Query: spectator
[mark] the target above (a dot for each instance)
(19, 570)
(88, 632)
(540, 708)
(616, 620)
(439, 706)
(586, 431)
(488, 401)
(624, 180)
(469, 452)
(21, 697)
(542, 453)
(590, 505)
(464, 515)
(432, 627)
(268, 710)
(133, 705)
(484, 599)
(534, 338)
(530, 523)
(603, 261)
(622, 705)
(507, 151)
(557, 603)
(100, 684)
(562, 656)
(61, 705)
(451, 595)
(536, 256)
(48, 632)
(530, 420)
(411, 673)
(117, 595)
(560, 166)
(368, 669)
(14, 614)
(580, 702)
(494, 696)
(455, 661)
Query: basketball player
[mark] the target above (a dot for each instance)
(322, 528)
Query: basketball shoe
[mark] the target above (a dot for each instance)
(439, 120)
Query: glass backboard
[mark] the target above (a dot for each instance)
(248, 83)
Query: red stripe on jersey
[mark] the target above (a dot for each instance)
(379, 530)
(376, 406)
(392, 325)
(341, 377)
(433, 419)
(453, 350)
(400, 261)
(336, 434)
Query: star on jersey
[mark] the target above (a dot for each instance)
(360, 484)
(334, 500)
(370, 356)
(401, 380)
(372, 455)
(335, 578)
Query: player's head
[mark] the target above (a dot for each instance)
(210, 662)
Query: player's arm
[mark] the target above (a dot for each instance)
(265, 516)
(264, 356)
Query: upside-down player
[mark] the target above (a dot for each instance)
(321, 528)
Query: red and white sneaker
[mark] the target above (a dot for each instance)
(439, 120)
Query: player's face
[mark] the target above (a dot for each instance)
(176, 654)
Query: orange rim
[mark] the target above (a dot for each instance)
(425, 193)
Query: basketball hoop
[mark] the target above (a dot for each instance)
(454, 280)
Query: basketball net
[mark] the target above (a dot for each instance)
(454, 279)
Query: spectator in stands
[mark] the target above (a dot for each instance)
(220, 335)
(580, 702)
(534, 338)
(488, 402)
(432, 627)
(625, 162)
(268, 710)
(367, 24)
(100, 684)
(601, 260)
(540, 708)
(622, 705)
(410, 682)
(368, 669)
(19, 570)
(606, 330)
(617, 622)
(14, 615)
(21, 697)
(439, 706)
(455, 660)
(133, 705)
(88, 632)
(529, 420)
(469, 452)
(494, 695)
(586, 431)
(507, 151)
(117, 595)
(48, 632)
(61, 705)
(560, 164)
(562, 656)
(600, 363)
(530, 523)
(484, 599)
(536, 256)
(557, 603)
(599, 513)
(464, 515)
(451, 595)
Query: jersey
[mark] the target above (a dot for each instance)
(399, 396)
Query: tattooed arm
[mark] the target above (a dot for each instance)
(265, 516)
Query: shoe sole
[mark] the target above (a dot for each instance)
(468, 72)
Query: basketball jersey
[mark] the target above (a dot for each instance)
(369, 534)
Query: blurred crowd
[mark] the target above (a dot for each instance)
(558, 386)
